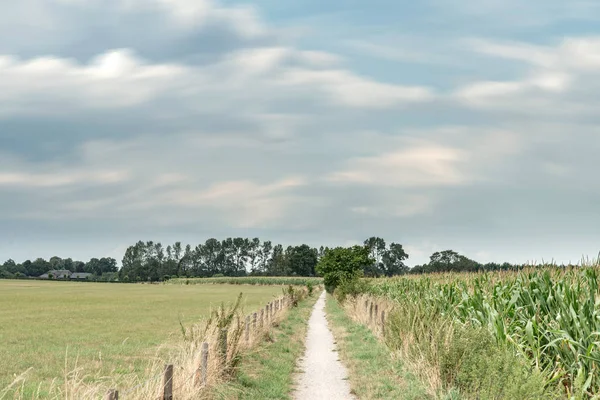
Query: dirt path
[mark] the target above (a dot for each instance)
(323, 375)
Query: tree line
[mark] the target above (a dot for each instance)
(152, 261)
(104, 268)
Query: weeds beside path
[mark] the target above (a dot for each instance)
(267, 371)
(373, 372)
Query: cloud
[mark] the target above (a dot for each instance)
(560, 82)
(417, 166)
(43, 180)
(159, 30)
(182, 120)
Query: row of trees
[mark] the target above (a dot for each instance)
(229, 257)
(151, 261)
(242, 256)
(96, 266)
(449, 260)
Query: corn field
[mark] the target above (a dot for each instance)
(550, 315)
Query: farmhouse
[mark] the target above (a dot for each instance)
(65, 274)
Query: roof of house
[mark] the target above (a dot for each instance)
(78, 275)
(57, 273)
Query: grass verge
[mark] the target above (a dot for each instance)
(373, 371)
(266, 372)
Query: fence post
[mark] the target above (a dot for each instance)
(382, 320)
(202, 371)
(371, 313)
(262, 312)
(376, 311)
(168, 383)
(247, 328)
(254, 317)
(112, 395)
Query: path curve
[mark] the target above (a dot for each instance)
(323, 375)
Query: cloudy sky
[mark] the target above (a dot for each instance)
(470, 125)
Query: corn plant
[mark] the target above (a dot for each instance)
(549, 315)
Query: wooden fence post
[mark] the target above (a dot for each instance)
(202, 371)
(247, 328)
(262, 312)
(254, 317)
(382, 319)
(167, 393)
(371, 313)
(112, 395)
(376, 311)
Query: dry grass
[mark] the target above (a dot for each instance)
(375, 373)
(367, 310)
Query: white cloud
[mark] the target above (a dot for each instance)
(352, 90)
(63, 178)
(561, 81)
(418, 166)
(53, 85)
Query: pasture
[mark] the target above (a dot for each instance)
(106, 329)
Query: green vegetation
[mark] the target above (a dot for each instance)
(501, 335)
(373, 371)
(249, 280)
(229, 257)
(266, 372)
(108, 329)
(341, 265)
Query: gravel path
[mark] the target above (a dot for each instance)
(323, 375)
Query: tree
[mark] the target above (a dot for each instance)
(377, 251)
(341, 264)
(277, 265)
(302, 260)
(38, 267)
(253, 252)
(265, 257)
(449, 260)
(393, 260)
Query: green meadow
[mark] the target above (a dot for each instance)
(48, 328)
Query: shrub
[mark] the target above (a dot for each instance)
(342, 264)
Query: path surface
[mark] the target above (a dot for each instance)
(323, 376)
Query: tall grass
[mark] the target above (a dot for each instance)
(547, 317)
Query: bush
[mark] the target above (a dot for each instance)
(310, 288)
(480, 368)
(342, 264)
(352, 286)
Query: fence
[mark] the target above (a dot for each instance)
(216, 358)
(373, 314)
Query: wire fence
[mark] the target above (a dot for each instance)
(197, 380)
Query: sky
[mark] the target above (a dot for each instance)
(436, 124)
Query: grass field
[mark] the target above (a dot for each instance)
(110, 329)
